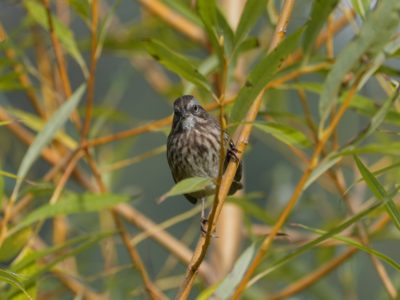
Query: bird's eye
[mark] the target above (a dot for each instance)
(196, 108)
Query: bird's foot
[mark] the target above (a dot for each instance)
(204, 227)
(232, 152)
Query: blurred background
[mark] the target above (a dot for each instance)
(132, 90)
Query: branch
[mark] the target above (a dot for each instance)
(22, 76)
(175, 20)
(298, 190)
(91, 78)
(223, 188)
(60, 60)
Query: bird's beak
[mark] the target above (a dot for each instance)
(185, 115)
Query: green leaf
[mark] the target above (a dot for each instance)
(45, 136)
(66, 36)
(248, 44)
(177, 63)
(390, 148)
(320, 12)
(206, 67)
(69, 204)
(378, 118)
(323, 166)
(88, 241)
(358, 245)
(5, 123)
(27, 272)
(9, 82)
(185, 10)
(82, 7)
(261, 74)
(207, 11)
(251, 209)
(250, 14)
(2, 187)
(37, 124)
(379, 191)
(14, 280)
(228, 285)
(188, 185)
(23, 262)
(12, 245)
(363, 105)
(370, 41)
(104, 26)
(219, 32)
(311, 244)
(284, 133)
(361, 6)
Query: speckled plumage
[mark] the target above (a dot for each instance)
(193, 146)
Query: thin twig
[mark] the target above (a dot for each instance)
(311, 278)
(155, 125)
(334, 28)
(177, 21)
(325, 269)
(60, 60)
(128, 212)
(223, 188)
(169, 242)
(335, 176)
(152, 289)
(91, 78)
(298, 190)
(22, 76)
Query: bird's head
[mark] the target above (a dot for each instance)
(188, 113)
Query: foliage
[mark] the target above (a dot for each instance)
(86, 89)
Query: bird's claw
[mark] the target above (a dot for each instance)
(204, 227)
(232, 152)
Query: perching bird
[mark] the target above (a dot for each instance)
(193, 148)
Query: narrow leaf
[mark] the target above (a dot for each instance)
(323, 166)
(207, 11)
(251, 12)
(284, 133)
(82, 7)
(2, 185)
(177, 63)
(88, 242)
(320, 12)
(362, 104)
(27, 272)
(37, 124)
(13, 244)
(358, 245)
(185, 10)
(251, 209)
(261, 74)
(13, 279)
(371, 40)
(391, 148)
(23, 262)
(228, 285)
(379, 191)
(361, 6)
(311, 244)
(218, 30)
(187, 186)
(69, 204)
(45, 136)
(378, 118)
(66, 36)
